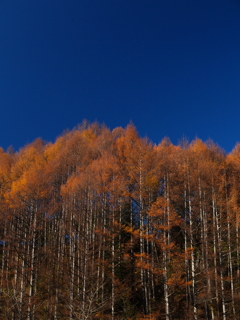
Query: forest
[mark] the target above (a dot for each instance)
(104, 224)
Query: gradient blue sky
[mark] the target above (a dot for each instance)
(171, 67)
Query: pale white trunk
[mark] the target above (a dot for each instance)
(32, 271)
(3, 259)
(166, 241)
(187, 267)
(230, 257)
(237, 247)
(72, 264)
(59, 231)
(22, 283)
(86, 252)
(15, 278)
(113, 270)
(215, 252)
(165, 276)
(143, 276)
(103, 255)
(192, 253)
(219, 240)
(204, 240)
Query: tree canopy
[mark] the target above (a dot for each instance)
(104, 224)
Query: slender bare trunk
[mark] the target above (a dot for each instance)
(193, 271)
(32, 269)
(230, 252)
(219, 243)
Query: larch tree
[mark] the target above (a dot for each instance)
(103, 224)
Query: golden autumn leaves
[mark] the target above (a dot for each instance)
(104, 224)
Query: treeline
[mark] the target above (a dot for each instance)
(105, 225)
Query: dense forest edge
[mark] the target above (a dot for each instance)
(103, 224)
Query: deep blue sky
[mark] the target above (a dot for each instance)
(171, 67)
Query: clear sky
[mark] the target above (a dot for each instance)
(171, 67)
